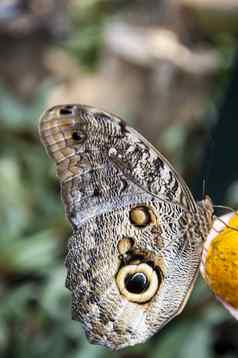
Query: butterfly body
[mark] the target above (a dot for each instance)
(137, 231)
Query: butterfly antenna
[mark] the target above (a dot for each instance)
(208, 158)
(225, 207)
(225, 224)
(230, 210)
(204, 187)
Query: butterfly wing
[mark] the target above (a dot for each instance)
(128, 207)
(100, 159)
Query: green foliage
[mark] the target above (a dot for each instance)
(85, 44)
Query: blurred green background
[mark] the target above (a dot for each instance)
(168, 68)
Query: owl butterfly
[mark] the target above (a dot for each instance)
(137, 231)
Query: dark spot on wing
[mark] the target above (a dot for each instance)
(123, 126)
(99, 116)
(158, 163)
(65, 111)
(97, 191)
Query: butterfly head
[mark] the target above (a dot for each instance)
(207, 218)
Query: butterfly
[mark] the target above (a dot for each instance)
(138, 233)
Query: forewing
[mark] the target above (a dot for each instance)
(101, 162)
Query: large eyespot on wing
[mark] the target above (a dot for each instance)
(138, 282)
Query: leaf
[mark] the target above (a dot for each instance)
(34, 254)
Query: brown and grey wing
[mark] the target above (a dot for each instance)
(93, 261)
(103, 164)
